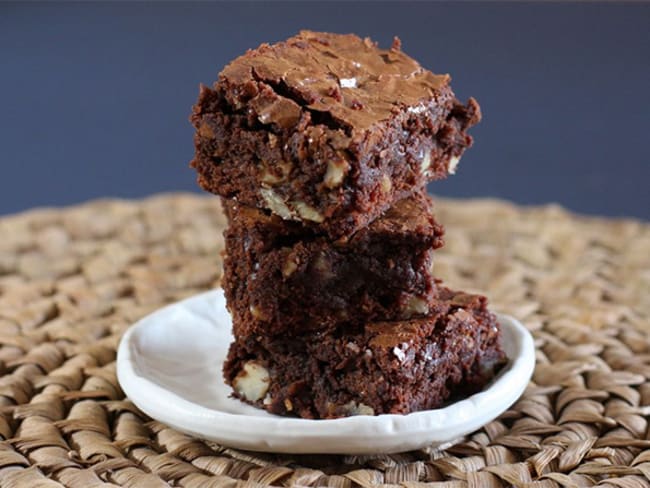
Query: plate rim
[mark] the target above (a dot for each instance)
(165, 405)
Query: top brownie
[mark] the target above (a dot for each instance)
(327, 129)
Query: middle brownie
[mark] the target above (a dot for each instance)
(280, 277)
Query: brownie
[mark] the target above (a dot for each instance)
(384, 367)
(282, 278)
(327, 129)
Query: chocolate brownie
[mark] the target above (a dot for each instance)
(385, 367)
(280, 277)
(327, 129)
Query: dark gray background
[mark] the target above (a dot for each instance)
(94, 98)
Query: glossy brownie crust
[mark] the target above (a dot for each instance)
(385, 367)
(327, 129)
(281, 278)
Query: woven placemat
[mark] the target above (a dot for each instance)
(71, 282)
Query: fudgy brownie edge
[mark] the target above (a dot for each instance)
(281, 278)
(387, 367)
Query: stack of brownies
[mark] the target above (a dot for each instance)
(321, 147)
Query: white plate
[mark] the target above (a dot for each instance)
(169, 365)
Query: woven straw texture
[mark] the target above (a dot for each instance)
(72, 281)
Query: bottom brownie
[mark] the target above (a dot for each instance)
(384, 367)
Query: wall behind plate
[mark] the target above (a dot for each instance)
(94, 97)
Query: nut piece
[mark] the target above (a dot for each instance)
(273, 140)
(278, 206)
(386, 184)
(257, 313)
(282, 173)
(352, 408)
(415, 306)
(336, 171)
(275, 203)
(252, 382)
(308, 212)
(290, 266)
(453, 164)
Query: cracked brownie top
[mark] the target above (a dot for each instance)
(349, 78)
